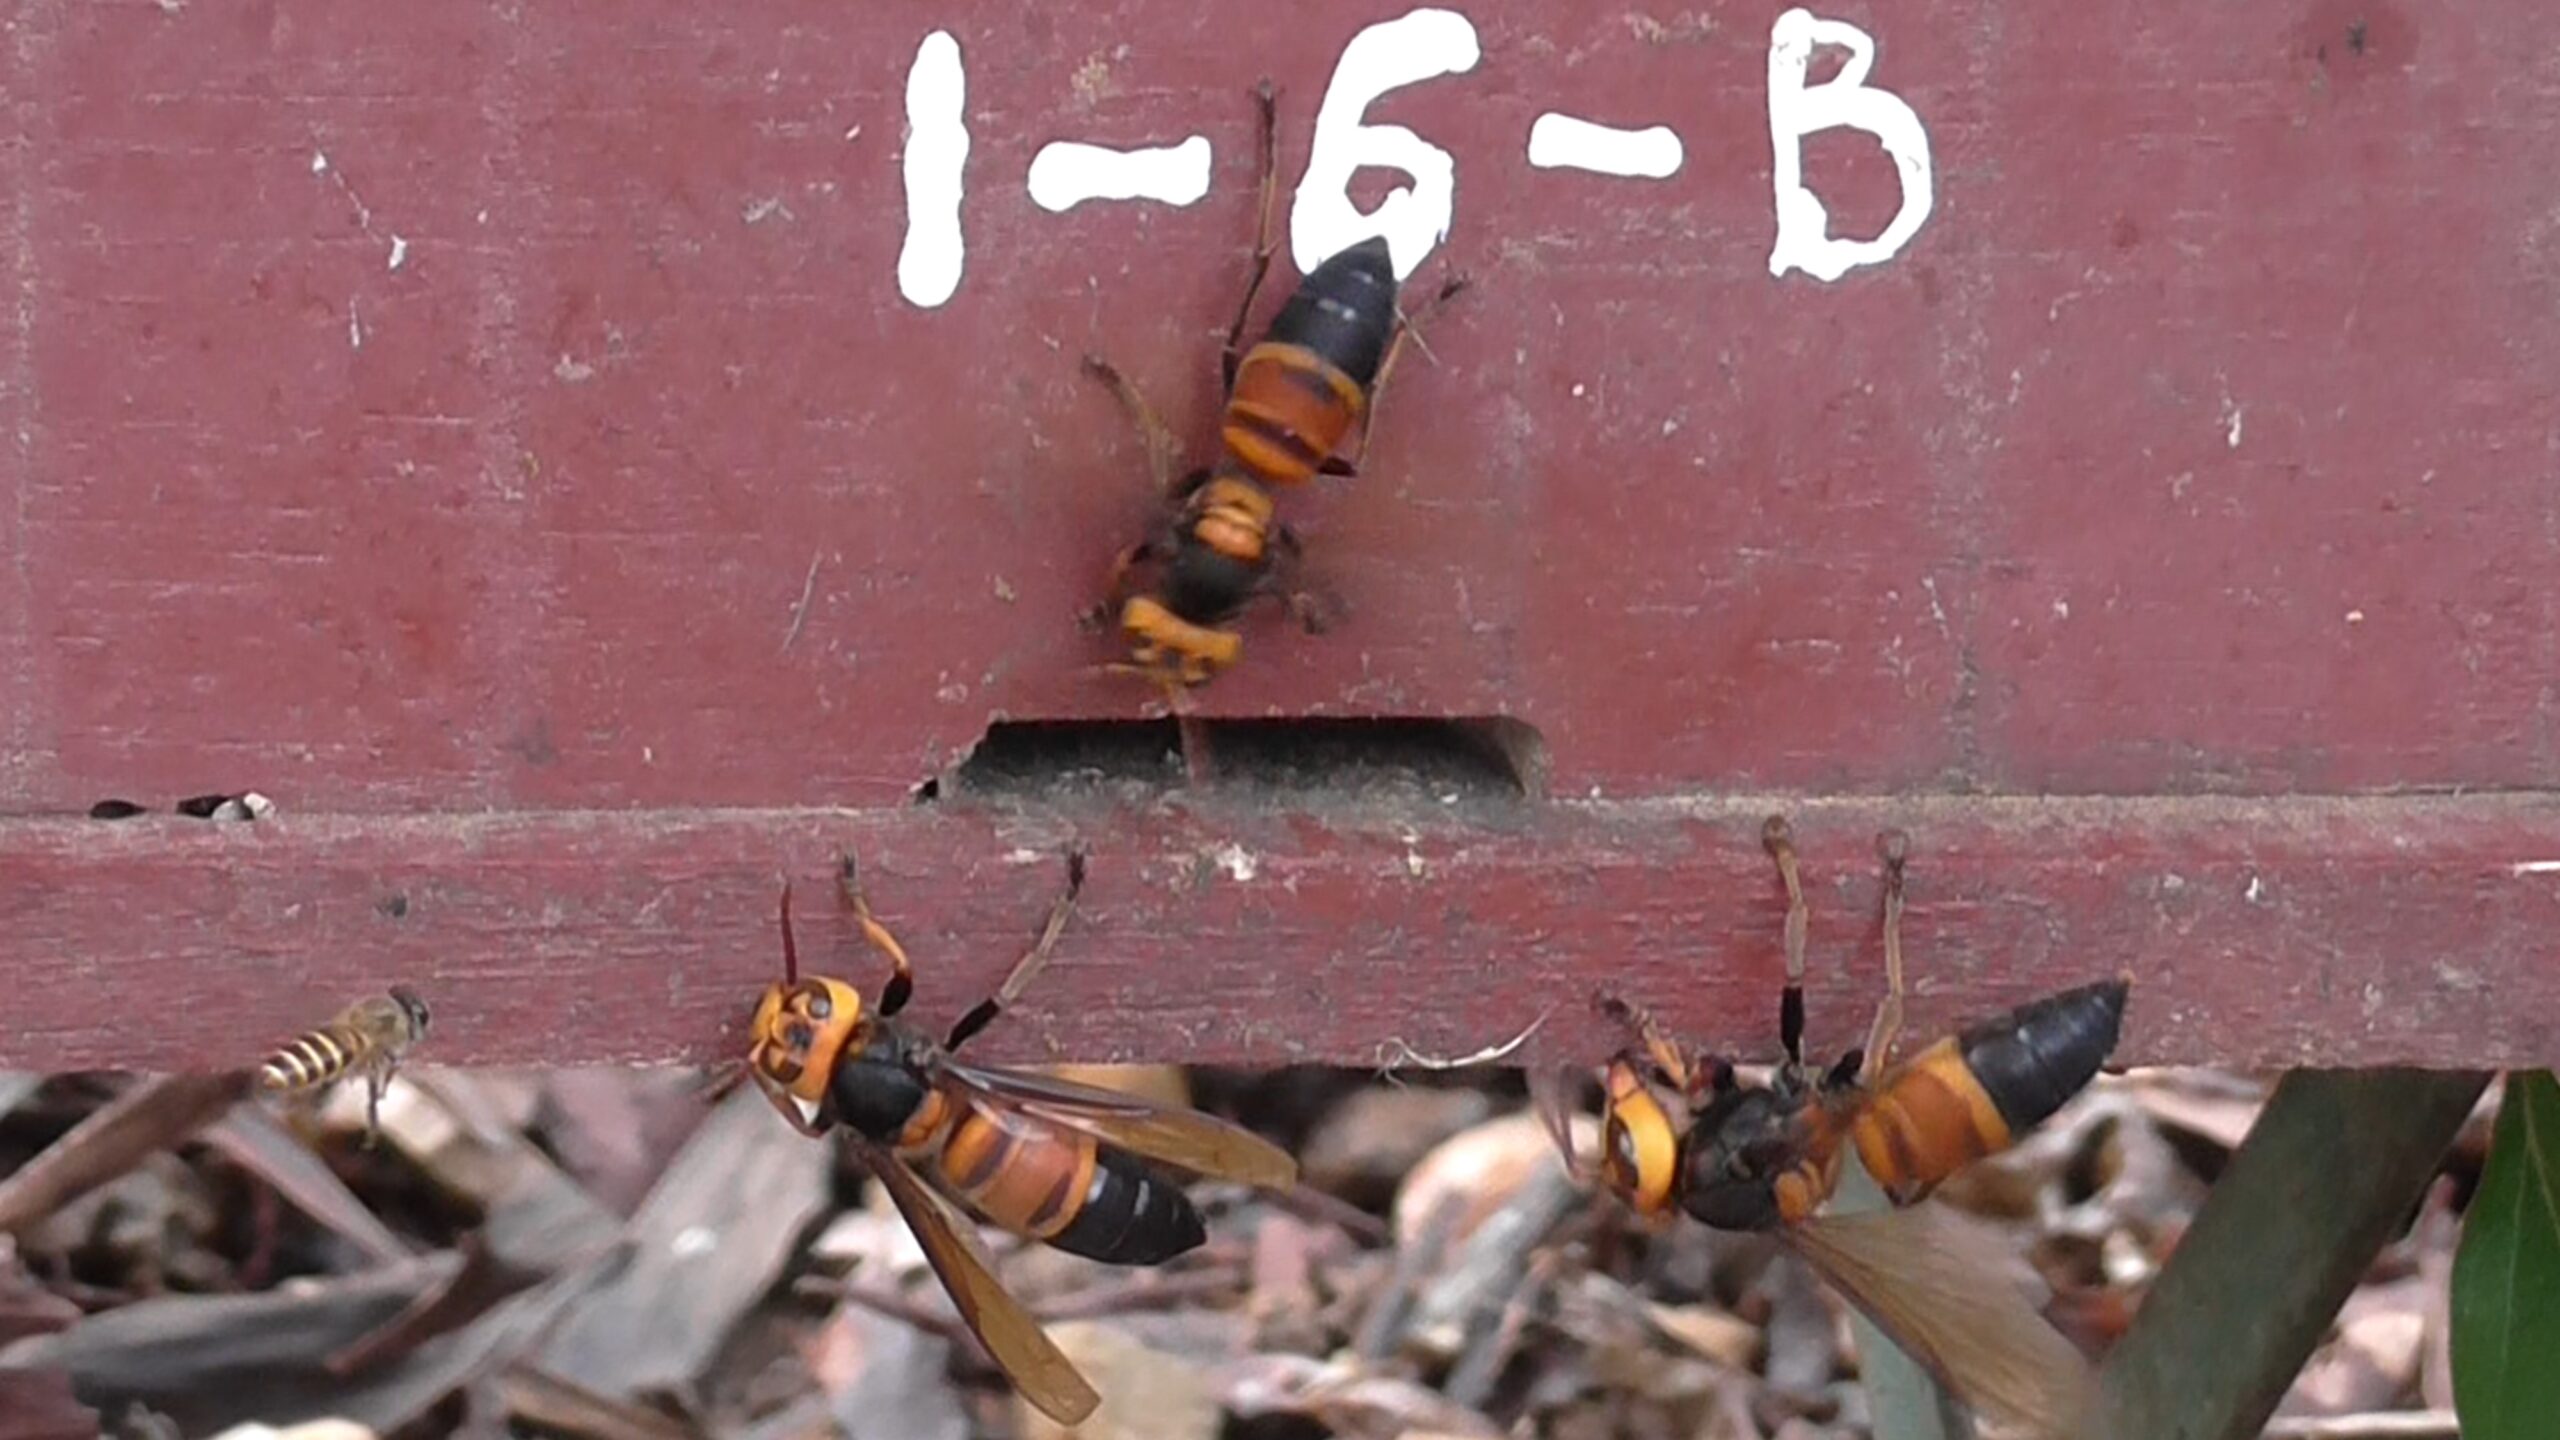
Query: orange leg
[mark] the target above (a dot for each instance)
(1653, 1042)
(893, 996)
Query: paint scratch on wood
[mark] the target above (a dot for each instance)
(800, 610)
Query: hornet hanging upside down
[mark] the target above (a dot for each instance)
(1049, 1160)
(1766, 1158)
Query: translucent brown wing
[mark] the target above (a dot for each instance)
(1042, 1372)
(379, 1019)
(1554, 1097)
(1187, 1138)
(1941, 1289)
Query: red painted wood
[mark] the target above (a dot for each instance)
(539, 539)
(2199, 444)
(2333, 932)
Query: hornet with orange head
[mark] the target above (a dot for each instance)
(1767, 1157)
(1291, 401)
(1052, 1161)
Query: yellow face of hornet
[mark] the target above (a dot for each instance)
(801, 1030)
(1639, 1143)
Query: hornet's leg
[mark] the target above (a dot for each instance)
(1892, 845)
(894, 995)
(985, 1011)
(1314, 610)
(1407, 326)
(1263, 245)
(1779, 840)
(1161, 446)
(1116, 584)
(1652, 1042)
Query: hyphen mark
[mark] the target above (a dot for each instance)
(1066, 173)
(1566, 142)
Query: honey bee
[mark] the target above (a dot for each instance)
(1766, 1158)
(1052, 1161)
(369, 1036)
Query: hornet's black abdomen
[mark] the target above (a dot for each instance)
(2035, 1058)
(1345, 311)
(1131, 1215)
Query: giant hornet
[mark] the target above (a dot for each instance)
(369, 1037)
(1766, 1158)
(1047, 1159)
(1291, 400)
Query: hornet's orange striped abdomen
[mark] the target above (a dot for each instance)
(1297, 394)
(1931, 1119)
(1051, 1182)
(1290, 409)
(1026, 1175)
(1972, 1094)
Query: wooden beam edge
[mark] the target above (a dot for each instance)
(2262, 934)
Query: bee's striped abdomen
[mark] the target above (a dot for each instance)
(311, 1059)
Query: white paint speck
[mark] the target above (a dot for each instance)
(1416, 46)
(1558, 141)
(2256, 894)
(319, 163)
(2232, 415)
(1238, 862)
(1577, 390)
(648, 755)
(2173, 883)
(692, 1241)
(355, 327)
(2355, 617)
(1067, 173)
(1670, 428)
(1796, 110)
(1023, 855)
(2061, 609)
(853, 134)
(757, 212)
(2534, 867)
(937, 151)
(399, 251)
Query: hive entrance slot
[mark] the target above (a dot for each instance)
(1381, 759)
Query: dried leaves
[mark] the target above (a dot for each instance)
(600, 1254)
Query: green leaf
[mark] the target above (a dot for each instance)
(2506, 1275)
